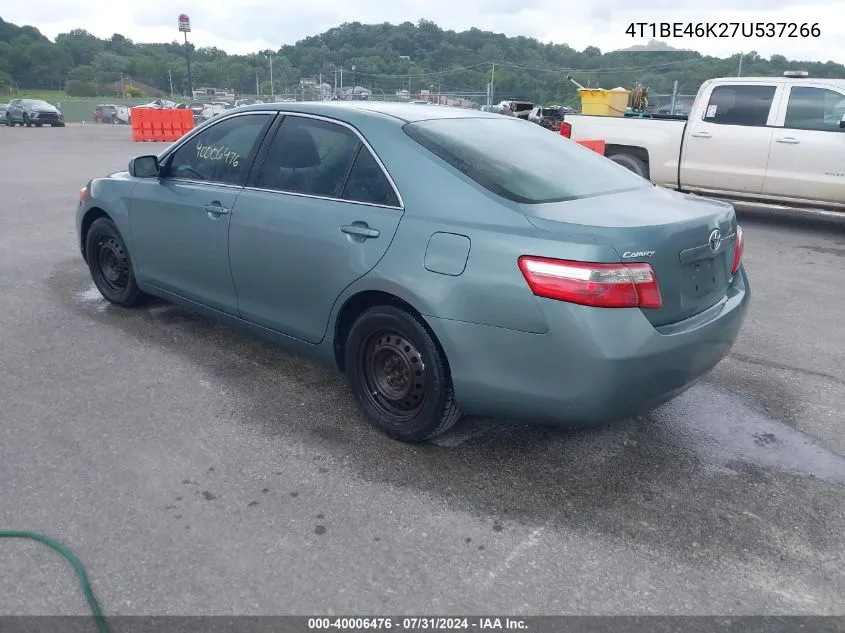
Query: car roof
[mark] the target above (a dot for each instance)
(405, 112)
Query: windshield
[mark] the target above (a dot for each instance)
(522, 162)
(36, 103)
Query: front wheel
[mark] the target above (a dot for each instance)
(399, 375)
(110, 265)
(26, 121)
(9, 121)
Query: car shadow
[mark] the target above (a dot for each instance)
(709, 475)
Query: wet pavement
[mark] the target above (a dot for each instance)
(197, 470)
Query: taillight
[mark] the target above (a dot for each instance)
(589, 284)
(83, 194)
(739, 247)
(566, 129)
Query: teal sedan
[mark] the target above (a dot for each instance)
(447, 261)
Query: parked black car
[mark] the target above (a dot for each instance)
(35, 112)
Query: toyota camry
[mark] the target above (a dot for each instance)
(447, 261)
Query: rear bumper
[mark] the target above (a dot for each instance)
(594, 366)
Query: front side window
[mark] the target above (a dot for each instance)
(309, 156)
(222, 153)
(740, 105)
(521, 162)
(814, 109)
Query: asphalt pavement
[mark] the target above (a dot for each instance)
(197, 470)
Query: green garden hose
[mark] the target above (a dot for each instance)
(99, 618)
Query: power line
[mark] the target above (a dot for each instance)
(594, 70)
(548, 69)
(438, 73)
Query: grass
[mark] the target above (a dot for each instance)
(47, 95)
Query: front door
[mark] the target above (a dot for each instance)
(806, 159)
(321, 215)
(726, 147)
(179, 221)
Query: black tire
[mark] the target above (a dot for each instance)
(110, 264)
(631, 162)
(39, 124)
(399, 375)
(26, 121)
(9, 121)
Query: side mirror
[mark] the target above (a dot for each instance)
(842, 121)
(144, 166)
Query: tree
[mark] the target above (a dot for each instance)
(386, 56)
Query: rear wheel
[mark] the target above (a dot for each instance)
(110, 265)
(399, 375)
(629, 161)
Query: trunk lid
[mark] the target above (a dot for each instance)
(669, 230)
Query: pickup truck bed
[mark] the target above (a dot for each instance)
(767, 140)
(655, 159)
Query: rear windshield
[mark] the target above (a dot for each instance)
(521, 161)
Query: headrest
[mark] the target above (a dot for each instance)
(299, 150)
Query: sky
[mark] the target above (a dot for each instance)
(245, 26)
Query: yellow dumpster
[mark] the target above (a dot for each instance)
(604, 102)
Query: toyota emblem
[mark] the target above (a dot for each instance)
(715, 240)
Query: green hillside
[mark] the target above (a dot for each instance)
(386, 57)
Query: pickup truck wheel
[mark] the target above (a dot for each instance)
(633, 163)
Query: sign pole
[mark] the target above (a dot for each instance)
(185, 27)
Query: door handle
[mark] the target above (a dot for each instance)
(790, 140)
(361, 230)
(701, 134)
(216, 208)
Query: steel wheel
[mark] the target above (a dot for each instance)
(113, 264)
(400, 374)
(394, 375)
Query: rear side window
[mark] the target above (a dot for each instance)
(814, 109)
(367, 183)
(740, 105)
(309, 156)
(522, 162)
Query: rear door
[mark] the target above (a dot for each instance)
(726, 144)
(806, 158)
(319, 213)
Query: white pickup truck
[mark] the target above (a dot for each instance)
(770, 140)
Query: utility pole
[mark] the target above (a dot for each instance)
(409, 88)
(739, 71)
(272, 88)
(674, 96)
(257, 85)
(341, 80)
(321, 86)
(492, 76)
(170, 76)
